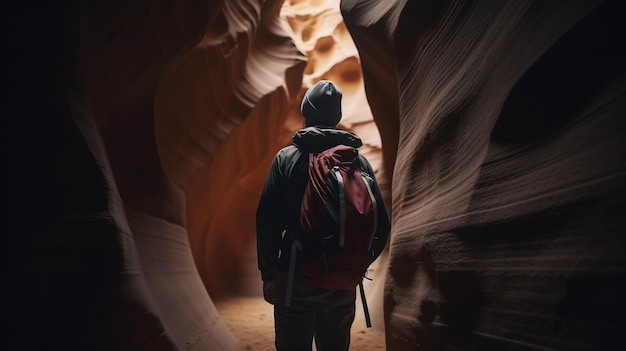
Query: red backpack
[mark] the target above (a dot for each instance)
(338, 220)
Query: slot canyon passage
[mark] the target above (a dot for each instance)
(140, 133)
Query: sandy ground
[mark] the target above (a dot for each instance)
(251, 321)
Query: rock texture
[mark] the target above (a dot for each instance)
(508, 182)
(139, 135)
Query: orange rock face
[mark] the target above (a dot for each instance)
(140, 136)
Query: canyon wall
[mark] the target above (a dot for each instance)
(139, 136)
(508, 178)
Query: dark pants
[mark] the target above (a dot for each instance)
(324, 314)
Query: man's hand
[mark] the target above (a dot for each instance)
(268, 291)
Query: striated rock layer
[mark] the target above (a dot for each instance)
(139, 136)
(509, 170)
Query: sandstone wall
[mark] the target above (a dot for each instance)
(139, 135)
(508, 176)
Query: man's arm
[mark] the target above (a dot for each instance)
(384, 224)
(270, 223)
(383, 228)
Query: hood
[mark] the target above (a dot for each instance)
(313, 139)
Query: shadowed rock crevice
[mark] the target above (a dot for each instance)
(565, 81)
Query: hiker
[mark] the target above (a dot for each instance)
(312, 312)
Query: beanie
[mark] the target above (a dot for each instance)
(321, 104)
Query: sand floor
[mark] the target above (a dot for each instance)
(251, 321)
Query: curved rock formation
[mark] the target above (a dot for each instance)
(508, 182)
(151, 128)
(140, 134)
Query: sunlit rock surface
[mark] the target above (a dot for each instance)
(140, 134)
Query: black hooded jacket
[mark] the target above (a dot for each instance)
(279, 206)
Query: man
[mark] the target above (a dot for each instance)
(324, 314)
